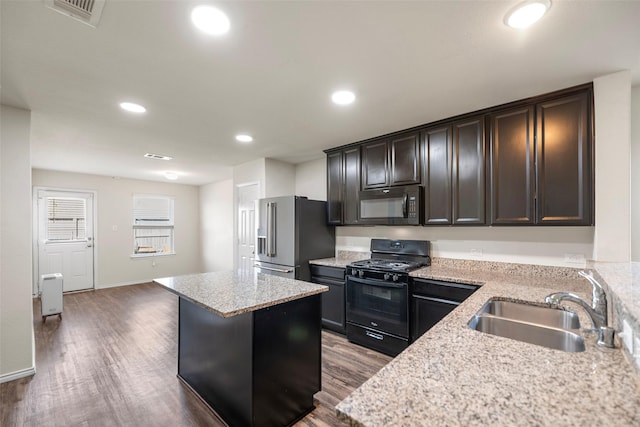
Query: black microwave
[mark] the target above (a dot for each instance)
(391, 206)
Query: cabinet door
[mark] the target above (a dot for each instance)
(375, 165)
(564, 170)
(351, 194)
(512, 167)
(405, 160)
(437, 175)
(469, 172)
(335, 183)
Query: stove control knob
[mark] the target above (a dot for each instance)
(361, 273)
(386, 276)
(354, 272)
(395, 277)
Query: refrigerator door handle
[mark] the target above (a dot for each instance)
(271, 228)
(278, 270)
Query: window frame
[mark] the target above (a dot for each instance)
(154, 219)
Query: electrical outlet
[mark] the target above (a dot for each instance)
(476, 253)
(114, 228)
(627, 336)
(574, 258)
(636, 352)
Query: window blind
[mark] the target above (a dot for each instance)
(66, 218)
(152, 210)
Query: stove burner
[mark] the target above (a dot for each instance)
(386, 265)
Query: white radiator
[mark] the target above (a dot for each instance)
(51, 295)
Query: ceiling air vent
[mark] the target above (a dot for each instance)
(157, 156)
(85, 11)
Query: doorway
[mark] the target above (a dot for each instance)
(64, 223)
(247, 202)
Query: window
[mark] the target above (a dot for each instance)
(66, 219)
(152, 225)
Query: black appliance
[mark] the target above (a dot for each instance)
(391, 206)
(291, 231)
(378, 294)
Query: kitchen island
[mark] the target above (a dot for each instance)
(249, 345)
(456, 376)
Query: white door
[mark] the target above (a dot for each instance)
(65, 237)
(247, 201)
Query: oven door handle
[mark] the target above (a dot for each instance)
(378, 283)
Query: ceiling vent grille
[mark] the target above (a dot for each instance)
(157, 156)
(85, 11)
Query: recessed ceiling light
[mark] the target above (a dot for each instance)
(157, 156)
(343, 97)
(244, 138)
(210, 20)
(132, 108)
(526, 13)
(171, 176)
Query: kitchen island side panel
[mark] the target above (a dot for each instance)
(287, 360)
(259, 368)
(215, 358)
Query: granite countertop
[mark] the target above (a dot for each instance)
(456, 376)
(230, 293)
(343, 259)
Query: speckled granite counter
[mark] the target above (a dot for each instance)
(230, 293)
(343, 259)
(455, 376)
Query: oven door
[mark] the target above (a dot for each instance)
(379, 305)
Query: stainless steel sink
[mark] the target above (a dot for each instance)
(528, 312)
(534, 324)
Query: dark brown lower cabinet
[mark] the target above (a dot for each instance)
(432, 300)
(333, 301)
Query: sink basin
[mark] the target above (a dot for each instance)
(526, 312)
(534, 324)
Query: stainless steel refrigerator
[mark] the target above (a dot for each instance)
(291, 231)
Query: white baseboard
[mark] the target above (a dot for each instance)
(12, 376)
(115, 285)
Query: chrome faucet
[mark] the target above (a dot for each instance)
(597, 311)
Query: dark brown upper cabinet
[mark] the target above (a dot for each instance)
(391, 162)
(343, 186)
(512, 166)
(468, 172)
(375, 165)
(541, 170)
(335, 181)
(436, 143)
(563, 155)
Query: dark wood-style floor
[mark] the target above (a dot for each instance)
(112, 361)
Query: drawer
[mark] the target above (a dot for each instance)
(325, 271)
(445, 290)
(376, 340)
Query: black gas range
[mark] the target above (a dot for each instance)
(378, 294)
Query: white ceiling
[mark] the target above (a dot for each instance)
(272, 75)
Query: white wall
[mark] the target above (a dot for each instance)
(216, 225)
(279, 178)
(635, 173)
(16, 317)
(526, 245)
(311, 179)
(114, 264)
(612, 100)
